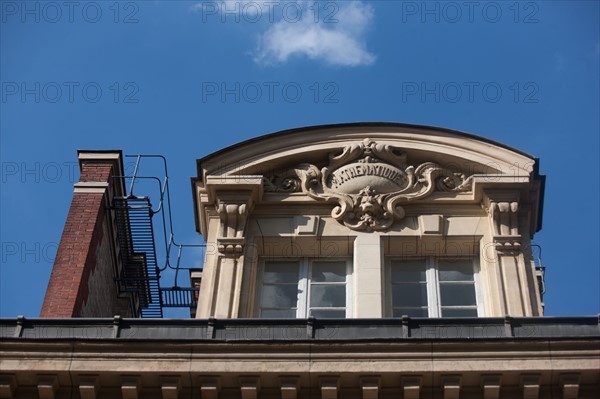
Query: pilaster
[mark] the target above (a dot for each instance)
(233, 199)
(506, 251)
(368, 278)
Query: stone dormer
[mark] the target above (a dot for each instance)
(366, 221)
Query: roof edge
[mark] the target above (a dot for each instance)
(199, 161)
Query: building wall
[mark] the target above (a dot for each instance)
(103, 298)
(82, 281)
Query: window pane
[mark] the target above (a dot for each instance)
(278, 313)
(281, 272)
(408, 270)
(457, 294)
(329, 272)
(450, 312)
(410, 312)
(328, 314)
(409, 294)
(455, 270)
(279, 296)
(328, 295)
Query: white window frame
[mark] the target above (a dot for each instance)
(434, 307)
(304, 273)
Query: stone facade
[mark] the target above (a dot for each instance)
(368, 193)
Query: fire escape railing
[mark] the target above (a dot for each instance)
(140, 270)
(135, 234)
(179, 297)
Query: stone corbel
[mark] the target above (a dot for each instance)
(47, 386)
(412, 387)
(210, 387)
(503, 211)
(232, 197)
(233, 212)
(370, 387)
(131, 385)
(451, 386)
(88, 386)
(491, 385)
(530, 383)
(570, 385)
(8, 385)
(329, 387)
(289, 387)
(250, 387)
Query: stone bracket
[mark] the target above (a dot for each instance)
(289, 387)
(131, 386)
(490, 384)
(530, 383)
(570, 385)
(233, 198)
(233, 210)
(329, 387)
(370, 386)
(451, 386)
(210, 387)
(8, 385)
(250, 386)
(411, 386)
(47, 385)
(226, 194)
(503, 211)
(88, 386)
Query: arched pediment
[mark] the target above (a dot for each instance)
(369, 171)
(458, 151)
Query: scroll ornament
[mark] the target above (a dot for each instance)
(369, 182)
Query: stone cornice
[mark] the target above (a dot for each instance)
(440, 329)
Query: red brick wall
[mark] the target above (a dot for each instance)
(76, 258)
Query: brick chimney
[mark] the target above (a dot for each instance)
(82, 283)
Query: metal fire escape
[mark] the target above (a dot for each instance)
(139, 268)
(140, 271)
(540, 271)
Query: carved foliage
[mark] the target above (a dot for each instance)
(369, 182)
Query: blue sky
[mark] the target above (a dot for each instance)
(184, 79)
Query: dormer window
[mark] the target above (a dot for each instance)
(416, 215)
(433, 287)
(305, 287)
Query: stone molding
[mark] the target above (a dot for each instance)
(259, 366)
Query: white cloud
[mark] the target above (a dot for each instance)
(329, 31)
(339, 43)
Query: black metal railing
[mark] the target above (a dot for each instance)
(179, 297)
(139, 271)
